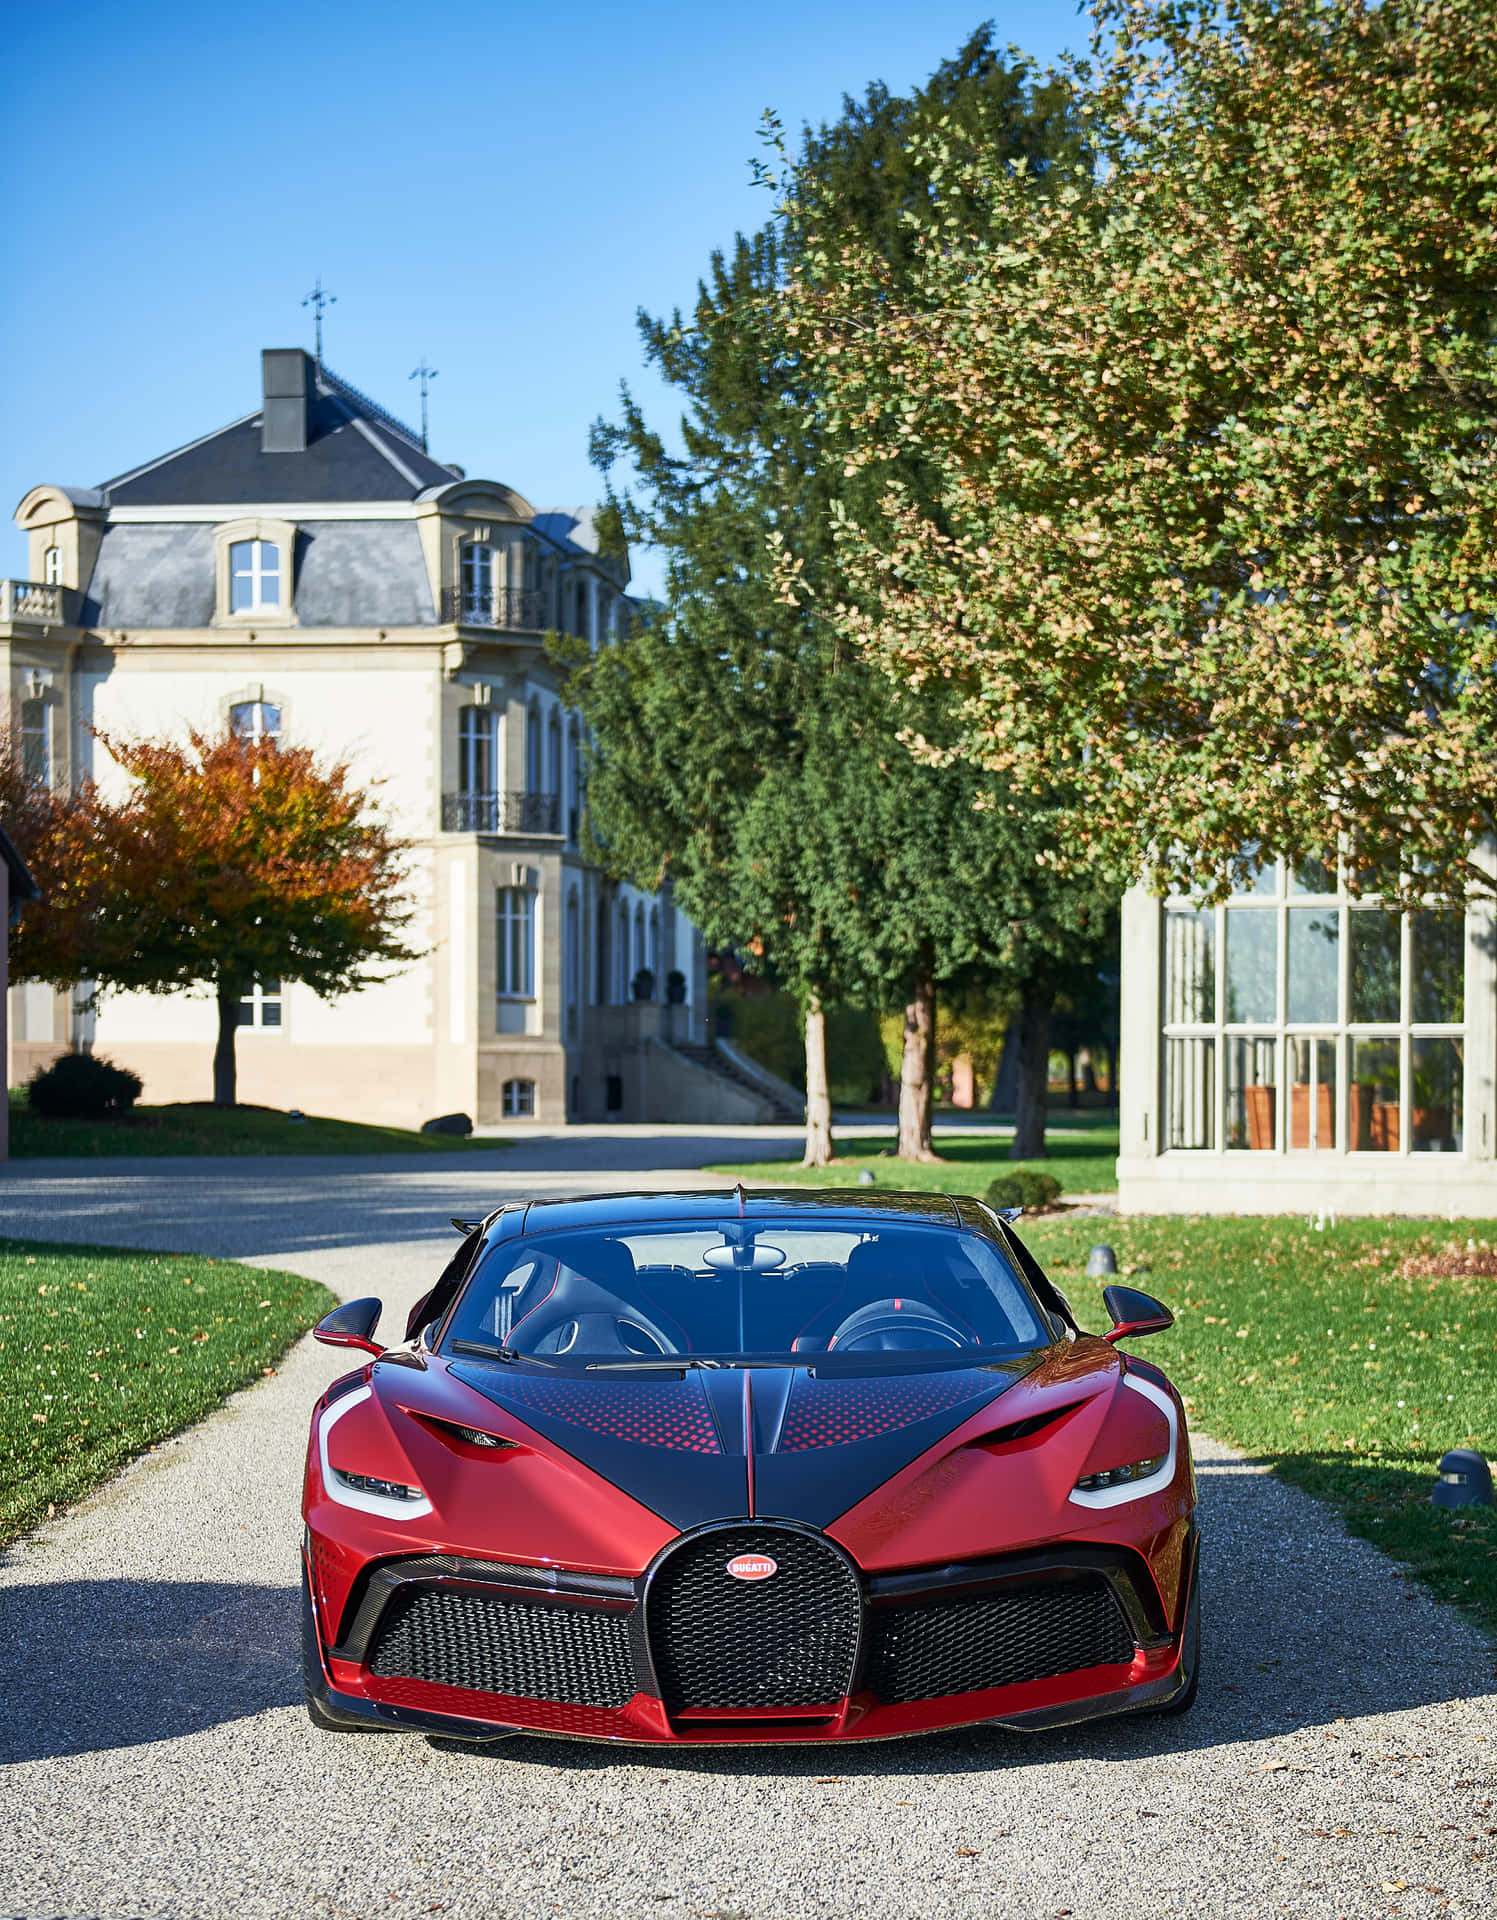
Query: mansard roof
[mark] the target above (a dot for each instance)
(354, 451)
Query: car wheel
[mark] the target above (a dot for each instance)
(314, 1681)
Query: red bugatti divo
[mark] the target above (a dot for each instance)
(769, 1466)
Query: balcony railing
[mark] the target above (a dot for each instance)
(35, 603)
(514, 608)
(501, 813)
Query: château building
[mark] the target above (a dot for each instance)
(311, 572)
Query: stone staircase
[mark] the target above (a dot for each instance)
(787, 1110)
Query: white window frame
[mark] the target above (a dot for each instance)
(264, 997)
(259, 708)
(1278, 901)
(52, 566)
(514, 922)
(512, 1093)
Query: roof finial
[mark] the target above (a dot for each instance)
(317, 300)
(425, 375)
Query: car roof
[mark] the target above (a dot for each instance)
(749, 1203)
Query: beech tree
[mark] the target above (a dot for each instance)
(1178, 464)
(734, 730)
(228, 861)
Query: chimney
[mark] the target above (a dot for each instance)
(285, 376)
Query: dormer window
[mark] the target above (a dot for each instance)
(478, 583)
(254, 576)
(255, 564)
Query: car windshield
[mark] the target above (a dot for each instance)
(758, 1289)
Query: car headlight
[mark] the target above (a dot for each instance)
(368, 1493)
(1120, 1476)
(387, 1489)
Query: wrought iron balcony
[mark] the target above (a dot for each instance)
(515, 609)
(501, 813)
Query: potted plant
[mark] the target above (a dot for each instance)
(644, 984)
(675, 988)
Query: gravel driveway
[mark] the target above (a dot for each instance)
(159, 1764)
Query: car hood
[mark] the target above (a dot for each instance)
(771, 1441)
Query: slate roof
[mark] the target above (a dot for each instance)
(355, 451)
(349, 573)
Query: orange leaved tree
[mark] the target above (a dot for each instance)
(236, 860)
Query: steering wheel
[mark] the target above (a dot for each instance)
(892, 1326)
(597, 1335)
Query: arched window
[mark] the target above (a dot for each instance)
(572, 963)
(553, 755)
(52, 566)
(36, 743)
(579, 625)
(519, 1099)
(255, 720)
(533, 748)
(574, 787)
(639, 941)
(254, 575)
(478, 583)
(653, 963)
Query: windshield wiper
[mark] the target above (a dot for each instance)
(666, 1363)
(483, 1350)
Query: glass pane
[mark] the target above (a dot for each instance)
(1314, 963)
(1190, 970)
(1439, 1076)
(270, 559)
(1251, 1094)
(1312, 1083)
(1190, 1093)
(1261, 877)
(270, 590)
(1439, 963)
(241, 555)
(1252, 966)
(270, 1013)
(241, 592)
(1372, 1108)
(270, 721)
(1376, 939)
(1312, 876)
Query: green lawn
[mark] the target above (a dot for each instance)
(190, 1128)
(1313, 1351)
(103, 1352)
(1084, 1163)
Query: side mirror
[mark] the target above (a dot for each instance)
(1134, 1313)
(351, 1325)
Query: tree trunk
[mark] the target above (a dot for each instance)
(1006, 1080)
(1035, 1019)
(1073, 1091)
(916, 1072)
(820, 1149)
(225, 1069)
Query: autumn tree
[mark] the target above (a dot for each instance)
(1203, 503)
(227, 861)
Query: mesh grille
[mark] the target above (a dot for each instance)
(965, 1646)
(788, 1641)
(505, 1646)
(670, 1414)
(832, 1413)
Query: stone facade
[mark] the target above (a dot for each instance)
(310, 570)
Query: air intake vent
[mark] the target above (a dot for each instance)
(787, 1639)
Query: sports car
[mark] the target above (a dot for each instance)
(746, 1467)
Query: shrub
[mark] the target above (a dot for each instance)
(82, 1086)
(1025, 1187)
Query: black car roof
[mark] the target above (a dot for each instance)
(638, 1209)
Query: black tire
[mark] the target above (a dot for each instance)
(314, 1681)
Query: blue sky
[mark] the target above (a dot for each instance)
(496, 189)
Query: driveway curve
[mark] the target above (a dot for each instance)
(1342, 1759)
